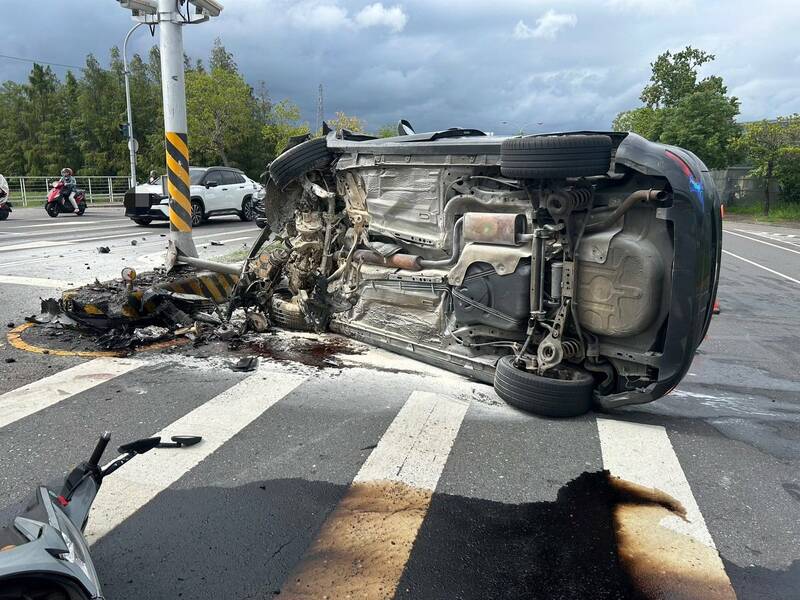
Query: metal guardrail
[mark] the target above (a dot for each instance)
(32, 191)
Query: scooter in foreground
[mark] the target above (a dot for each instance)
(58, 202)
(43, 555)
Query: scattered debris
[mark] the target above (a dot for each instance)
(245, 364)
(10, 325)
(134, 242)
(103, 249)
(11, 360)
(216, 243)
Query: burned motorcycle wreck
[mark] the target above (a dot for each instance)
(565, 269)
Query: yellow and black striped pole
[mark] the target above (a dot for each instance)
(173, 88)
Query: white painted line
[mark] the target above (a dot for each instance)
(364, 544)
(747, 237)
(218, 420)
(416, 445)
(133, 228)
(34, 245)
(36, 396)
(55, 284)
(644, 455)
(755, 264)
(71, 223)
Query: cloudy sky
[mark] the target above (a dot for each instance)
(500, 65)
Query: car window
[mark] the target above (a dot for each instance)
(231, 177)
(214, 177)
(196, 175)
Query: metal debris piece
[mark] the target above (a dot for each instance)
(245, 364)
(103, 249)
(216, 243)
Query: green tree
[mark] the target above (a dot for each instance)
(386, 131)
(283, 123)
(773, 147)
(221, 110)
(681, 109)
(343, 121)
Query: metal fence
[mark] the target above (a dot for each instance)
(32, 191)
(738, 188)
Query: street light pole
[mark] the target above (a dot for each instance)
(173, 87)
(127, 73)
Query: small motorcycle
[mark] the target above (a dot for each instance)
(5, 206)
(43, 554)
(58, 201)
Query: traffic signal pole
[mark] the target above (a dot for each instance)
(173, 87)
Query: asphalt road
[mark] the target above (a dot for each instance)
(337, 469)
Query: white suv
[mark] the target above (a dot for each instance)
(214, 191)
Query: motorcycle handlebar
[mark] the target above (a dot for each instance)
(100, 448)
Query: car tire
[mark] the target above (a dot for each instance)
(3, 214)
(143, 222)
(286, 314)
(248, 212)
(567, 395)
(555, 156)
(198, 213)
(313, 154)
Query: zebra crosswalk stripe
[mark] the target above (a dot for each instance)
(364, 545)
(217, 421)
(21, 402)
(671, 557)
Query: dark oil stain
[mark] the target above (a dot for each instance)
(321, 353)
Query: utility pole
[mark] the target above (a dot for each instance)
(169, 17)
(320, 110)
(132, 144)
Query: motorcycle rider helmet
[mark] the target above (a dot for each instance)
(66, 172)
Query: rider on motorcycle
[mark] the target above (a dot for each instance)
(4, 191)
(70, 186)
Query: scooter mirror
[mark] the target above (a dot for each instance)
(186, 440)
(140, 446)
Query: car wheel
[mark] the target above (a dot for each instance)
(287, 314)
(248, 212)
(144, 222)
(564, 392)
(555, 156)
(313, 154)
(198, 214)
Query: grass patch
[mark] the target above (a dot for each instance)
(777, 214)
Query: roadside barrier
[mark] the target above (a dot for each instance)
(32, 191)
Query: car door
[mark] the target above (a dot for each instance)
(233, 190)
(213, 196)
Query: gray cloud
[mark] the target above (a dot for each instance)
(442, 63)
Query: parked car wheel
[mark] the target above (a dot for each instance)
(198, 214)
(248, 212)
(555, 156)
(287, 314)
(567, 392)
(300, 159)
(144, 221)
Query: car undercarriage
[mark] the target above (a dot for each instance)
(566, 269)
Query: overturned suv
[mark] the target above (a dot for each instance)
(566, 269)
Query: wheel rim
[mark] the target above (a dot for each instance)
(197, 214)
(249, 210)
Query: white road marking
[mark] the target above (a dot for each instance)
(24, 401)
(71, 223)
(29, 234)
(755, 264)
(747, 237)
(416, 445)
(55, 284)
(365, 543)
(33, 245)
(218, 420)
(643, 454)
